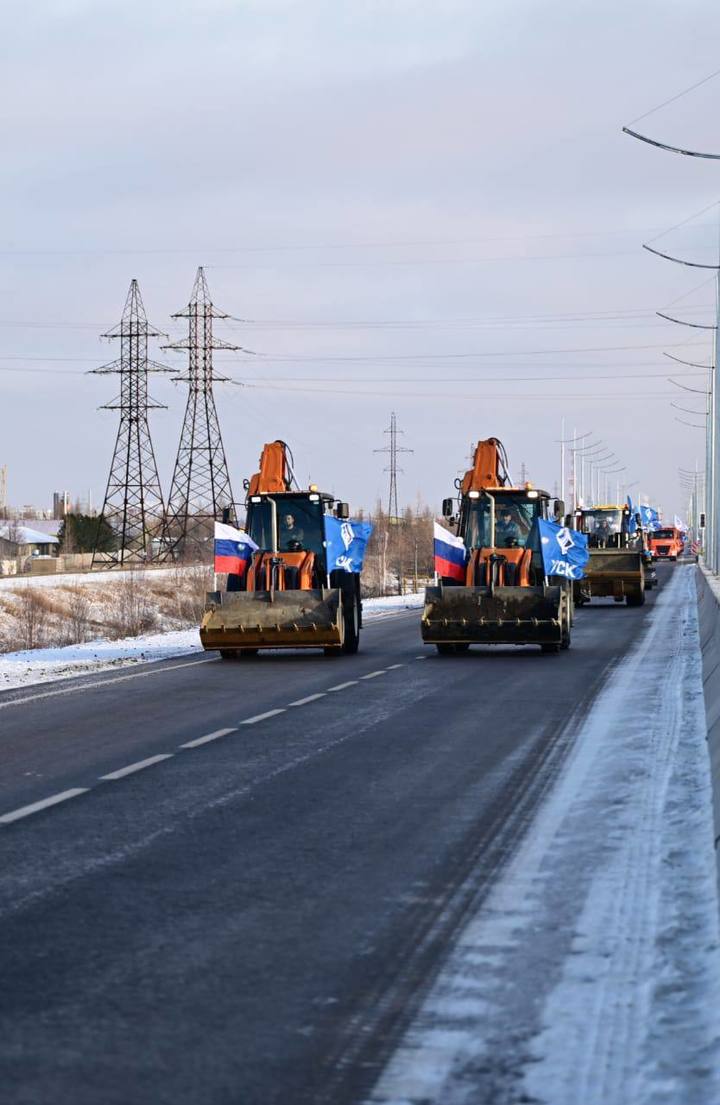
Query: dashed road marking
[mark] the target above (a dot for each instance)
(139, 765)
(373, 674)
(207, 738)
(262, 717)
(392, 667)
(342, 686)
(308, 698)
(43, 804)
(421, 657)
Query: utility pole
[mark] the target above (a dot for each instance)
(393, 449)
(201, 493)
(133, 504)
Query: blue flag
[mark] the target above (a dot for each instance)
(564, 551)
(650, 518)
(346, 542)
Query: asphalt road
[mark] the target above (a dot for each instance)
(253, 918)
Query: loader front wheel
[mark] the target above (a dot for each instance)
(351, 617)
(637, 599)
(446, 650)
(228, 654)
(550, 648)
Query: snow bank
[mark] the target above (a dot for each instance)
(20, 669)
(590, 975)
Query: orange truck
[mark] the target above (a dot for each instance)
(666, 544)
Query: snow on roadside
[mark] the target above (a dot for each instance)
(590, 975)
(21, 669)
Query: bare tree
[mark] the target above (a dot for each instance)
(32, 618)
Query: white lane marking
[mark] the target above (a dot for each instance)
(421, 657)
(43, 804)
(138, 766)
(392, 667)
(261, 717)
(372, 674)
(342, 686)
(309, 698)
(104, 682)
(207, 738)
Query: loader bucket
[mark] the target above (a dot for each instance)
(278, 619)
(493, 616)
(612, 573)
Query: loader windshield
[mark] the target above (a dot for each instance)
(299, 524)
(602, 522)
(514, 519)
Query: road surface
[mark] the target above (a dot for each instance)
(233, 883)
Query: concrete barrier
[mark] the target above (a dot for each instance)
(708, 594)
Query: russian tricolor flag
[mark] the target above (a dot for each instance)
(233, 549)
(450, 554)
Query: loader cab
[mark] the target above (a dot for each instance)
(503, 518)
(499, 529)
(608, 527)
(289, 522)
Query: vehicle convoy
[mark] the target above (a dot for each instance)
(666, 544)
(618, 556)
(493, 587)
(286, 596)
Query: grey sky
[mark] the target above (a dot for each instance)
(440, 165)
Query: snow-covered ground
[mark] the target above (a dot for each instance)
(20, 669)
(591, 973)
(92, 579)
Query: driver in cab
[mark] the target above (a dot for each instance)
(507, 531)
(292, 536)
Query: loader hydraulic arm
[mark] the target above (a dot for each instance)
(274, 474)
(489, 467)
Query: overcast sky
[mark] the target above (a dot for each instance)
(415, 204)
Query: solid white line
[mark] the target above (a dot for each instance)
(261, 717)
(131, 768)
(34, 807)
(103, 682)
(373, 674)
(310, 698)
(207, 738)
(392, 667)
(342, 686)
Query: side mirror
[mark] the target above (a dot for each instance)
(447, 508)
(342, 510)
(226, 515)
(638, 520)
(559, 510)
(702, 521)
(568, 521)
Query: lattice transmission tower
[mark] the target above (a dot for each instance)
(201, 492)
(133, 505)
(393, 449)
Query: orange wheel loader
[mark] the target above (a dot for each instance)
(499, 592)
(286, 598)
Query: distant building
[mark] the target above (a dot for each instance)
(61, 503)
(18, 541)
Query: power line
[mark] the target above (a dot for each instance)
(677, 96)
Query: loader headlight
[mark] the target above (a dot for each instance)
(314, 498)
(256, 498)
(473, 494)
(532, 494)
